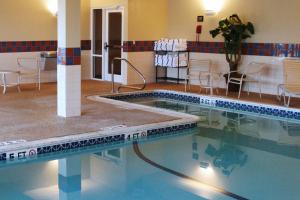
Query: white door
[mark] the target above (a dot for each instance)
(97, 45)
(107, 41)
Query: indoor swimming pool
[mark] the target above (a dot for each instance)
(229, 155)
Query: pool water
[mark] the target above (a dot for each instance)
(228, 156)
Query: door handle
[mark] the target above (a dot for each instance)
(106, 46)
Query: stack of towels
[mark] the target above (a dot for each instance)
(170, 45)
(170, 48)
(171, 60)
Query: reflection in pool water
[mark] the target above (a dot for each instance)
(229, 156)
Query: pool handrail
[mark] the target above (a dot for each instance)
(126, 86)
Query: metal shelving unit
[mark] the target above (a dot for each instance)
(166, 78)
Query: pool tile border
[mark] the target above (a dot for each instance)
(113, 139)
(217, 102)
(94, 141)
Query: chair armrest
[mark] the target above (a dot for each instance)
(20, 59)
(218, 74)
(34, 60)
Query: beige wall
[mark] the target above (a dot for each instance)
(26, 20)
(274, 20)
(85, 19)
(31, 20)
(143, 61)
(147, 19)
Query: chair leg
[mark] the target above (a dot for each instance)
(185, 85)
(4, 83)
(248, 86)
(259, 90)
(38, 83)
(18, 83)
(240, 91)
(279, 95)
(285, 101)
(211, 85)
(289, 101)
(227, 88)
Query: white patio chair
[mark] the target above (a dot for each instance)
(252, 74)
(291, 86)
(30, 68)
(201, 71)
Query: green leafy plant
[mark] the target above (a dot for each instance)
(234, 31)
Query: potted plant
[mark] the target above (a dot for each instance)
(234, 31)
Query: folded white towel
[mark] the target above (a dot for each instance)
(171, 60)
(170, 45)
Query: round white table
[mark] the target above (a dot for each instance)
(5, 84)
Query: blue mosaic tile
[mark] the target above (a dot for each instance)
(170, 130)
(80, 144)
(227, 104)
(195, 156)
(3, 157)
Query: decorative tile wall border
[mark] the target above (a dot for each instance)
(27, 46)
(35, 46)
(271, 49)
(69, 56)
(258, 49)
(86, 45)
(138, 46)
(217, 102)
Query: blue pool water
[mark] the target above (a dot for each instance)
(228, 156)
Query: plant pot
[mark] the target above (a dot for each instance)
(233, 87)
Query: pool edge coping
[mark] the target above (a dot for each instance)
(211, 101)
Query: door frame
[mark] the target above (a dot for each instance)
(105, 76)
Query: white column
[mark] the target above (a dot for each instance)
(69, 59)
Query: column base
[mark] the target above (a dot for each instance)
(68, 90)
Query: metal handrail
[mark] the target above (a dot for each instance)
(125, 86)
